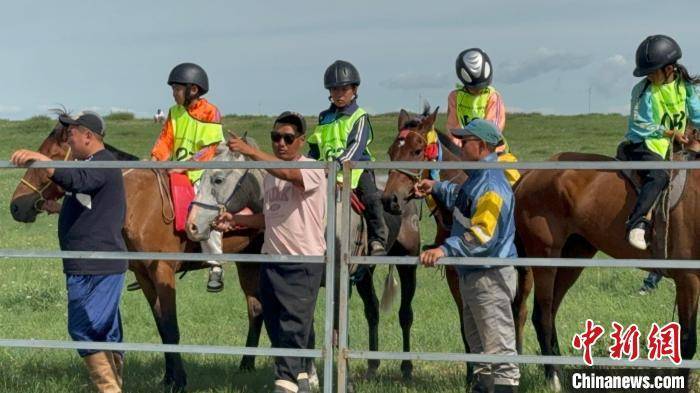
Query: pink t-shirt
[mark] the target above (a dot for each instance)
(295, 217)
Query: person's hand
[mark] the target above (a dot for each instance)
(430, 257)
(238, 145)
(23, 157)
(423, 188)
(224, 222)
(680, 137)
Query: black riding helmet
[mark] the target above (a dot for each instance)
(341, 73)
(656, 52)
(189, 74)
(474, 68)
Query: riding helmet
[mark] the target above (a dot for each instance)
(656, 52)
(474, 68)
(189, 74)
(341, 73)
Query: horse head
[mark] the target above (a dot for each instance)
(224, 190)
(410, 145)
(36, 190)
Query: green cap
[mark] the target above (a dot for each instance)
(482, 129)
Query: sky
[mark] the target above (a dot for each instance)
(268, 56)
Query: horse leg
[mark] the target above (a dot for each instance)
(453, 283)
(248, 277)
(525, 282)
(687, 291)
(542, 319)
(365, 288)
(163, 278)
(407, 274)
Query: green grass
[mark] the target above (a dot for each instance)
(33, 305)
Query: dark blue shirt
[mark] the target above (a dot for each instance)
(92, 215)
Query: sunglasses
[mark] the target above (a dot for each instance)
(278, 136)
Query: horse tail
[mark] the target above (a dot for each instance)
(391, 288)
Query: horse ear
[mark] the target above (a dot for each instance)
(429, 121)
(403, 118)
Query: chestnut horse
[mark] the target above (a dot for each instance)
(576, 213)
(148, 227)
(410, 145)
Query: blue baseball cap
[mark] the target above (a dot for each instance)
(482, 129)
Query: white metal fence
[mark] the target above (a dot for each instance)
(344, 352)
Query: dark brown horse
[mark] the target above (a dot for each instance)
(148, 228)
(410, 145)
(576, 213)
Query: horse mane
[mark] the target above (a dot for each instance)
(120, 155)
(447, 143)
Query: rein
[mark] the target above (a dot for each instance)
(41, 190)
(221, 207)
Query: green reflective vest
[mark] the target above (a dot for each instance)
(190, 136)
(332, 141)
(668, 109)
(470, 107)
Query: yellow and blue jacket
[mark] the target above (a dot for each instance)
(482, 208)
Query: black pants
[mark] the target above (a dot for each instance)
(374, 211)
(288, 295)
(653, 181)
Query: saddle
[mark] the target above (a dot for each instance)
(667, 201)
(182, 193)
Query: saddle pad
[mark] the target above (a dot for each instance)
(182, 193)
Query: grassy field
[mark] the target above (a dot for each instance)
(33, 301)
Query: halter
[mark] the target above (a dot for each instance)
(221, 208)
(415, 176)
(41, 190)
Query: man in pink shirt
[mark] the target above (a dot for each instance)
(294, 221)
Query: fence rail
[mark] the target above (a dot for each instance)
(344, 353)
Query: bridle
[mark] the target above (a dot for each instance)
(221, 207)
(41, 190)
(414, 176)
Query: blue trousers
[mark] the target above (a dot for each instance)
(93, 308)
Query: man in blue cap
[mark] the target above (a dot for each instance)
(483, 226)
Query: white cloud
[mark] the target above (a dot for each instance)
(9, 108)
(612, 76)
(544, 60)
(413, 81)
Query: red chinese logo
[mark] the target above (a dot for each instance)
(586, 340)
(625, 342)
(665, 342)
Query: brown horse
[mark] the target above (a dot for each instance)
(148, 228)
(574, 214)
(410, 145)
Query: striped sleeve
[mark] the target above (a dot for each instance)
(478, 239)
(357, 140)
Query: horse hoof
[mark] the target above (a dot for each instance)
(553, 384)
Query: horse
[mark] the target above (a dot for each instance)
(148, 227)
(226, 188)
(410, 145)
(576, 213)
